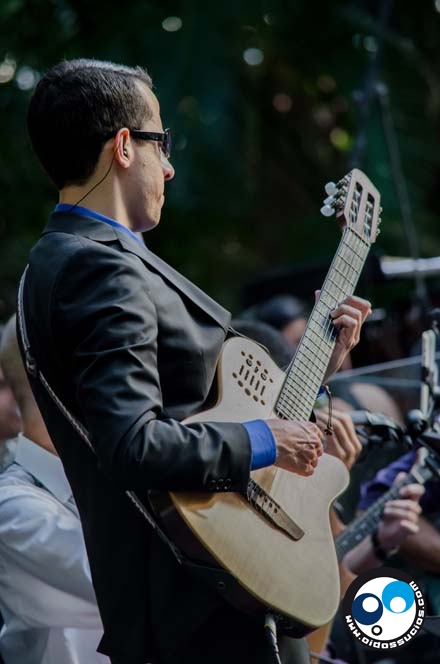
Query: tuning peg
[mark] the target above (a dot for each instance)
(329, 200)
(330, 188)
(327, 210)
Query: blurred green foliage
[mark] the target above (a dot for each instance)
(260, 96)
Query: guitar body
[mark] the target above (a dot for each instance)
(318, 639)
(298, 579)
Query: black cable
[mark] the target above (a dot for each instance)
(74, 205)
(270, 628)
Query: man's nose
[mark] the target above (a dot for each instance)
(168, 170)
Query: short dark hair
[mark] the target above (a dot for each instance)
(74, 109)
(278, 311)
(279, 348)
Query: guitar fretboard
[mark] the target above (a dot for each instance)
(368, 521)
(305, 374)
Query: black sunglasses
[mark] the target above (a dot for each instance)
(164, 139)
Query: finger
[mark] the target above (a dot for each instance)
(305, 469)
(309, 469)
(344, 308)
(410, 511)
(364, 306)
(348, 332)
(310, 430)
(345, 322)
(410, 526)
(334, 448)
(402, 503)
(352, 443)
(338, 441)
(344, 443)
(412, 491)
(308, 455)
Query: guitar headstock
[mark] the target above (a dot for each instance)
(356, 202)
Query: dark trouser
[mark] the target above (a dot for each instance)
(192, 624)
(211, 646)
(229, 637)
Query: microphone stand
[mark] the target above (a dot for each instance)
(376, 91)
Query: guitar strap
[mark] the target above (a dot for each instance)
(217, 578)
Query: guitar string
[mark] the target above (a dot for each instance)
(357, 252)
(357, 530)
(361, 257)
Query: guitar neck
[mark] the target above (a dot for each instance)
(308, 367)
(366, 523)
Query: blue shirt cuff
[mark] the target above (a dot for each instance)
(263, 446)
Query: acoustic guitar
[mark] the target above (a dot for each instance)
(275, 541)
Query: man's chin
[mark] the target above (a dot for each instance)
(148, 223)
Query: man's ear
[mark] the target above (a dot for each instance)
(122, 147)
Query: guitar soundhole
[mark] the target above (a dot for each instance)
(252, 377)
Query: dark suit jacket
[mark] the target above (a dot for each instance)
(130, 346)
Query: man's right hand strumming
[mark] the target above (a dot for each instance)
(299, 445)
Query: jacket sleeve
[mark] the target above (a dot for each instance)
(107, 329)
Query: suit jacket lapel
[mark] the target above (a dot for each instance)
(101, 232)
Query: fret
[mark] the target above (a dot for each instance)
(294, 393)
(306, 356)
(304, 367)
(295, 411)
(315, 329)
(301, 391)
(349, 272)
(320, 332)
(291, 387)
(302, 376)
(299, 402)
(308, 367)
(297, 380)
(297, 393)
(298, 413)
(343, 290)
(302, 388)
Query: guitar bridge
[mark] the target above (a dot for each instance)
(272, 511)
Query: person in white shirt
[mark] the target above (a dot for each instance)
(46, 595)
(10, 421)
